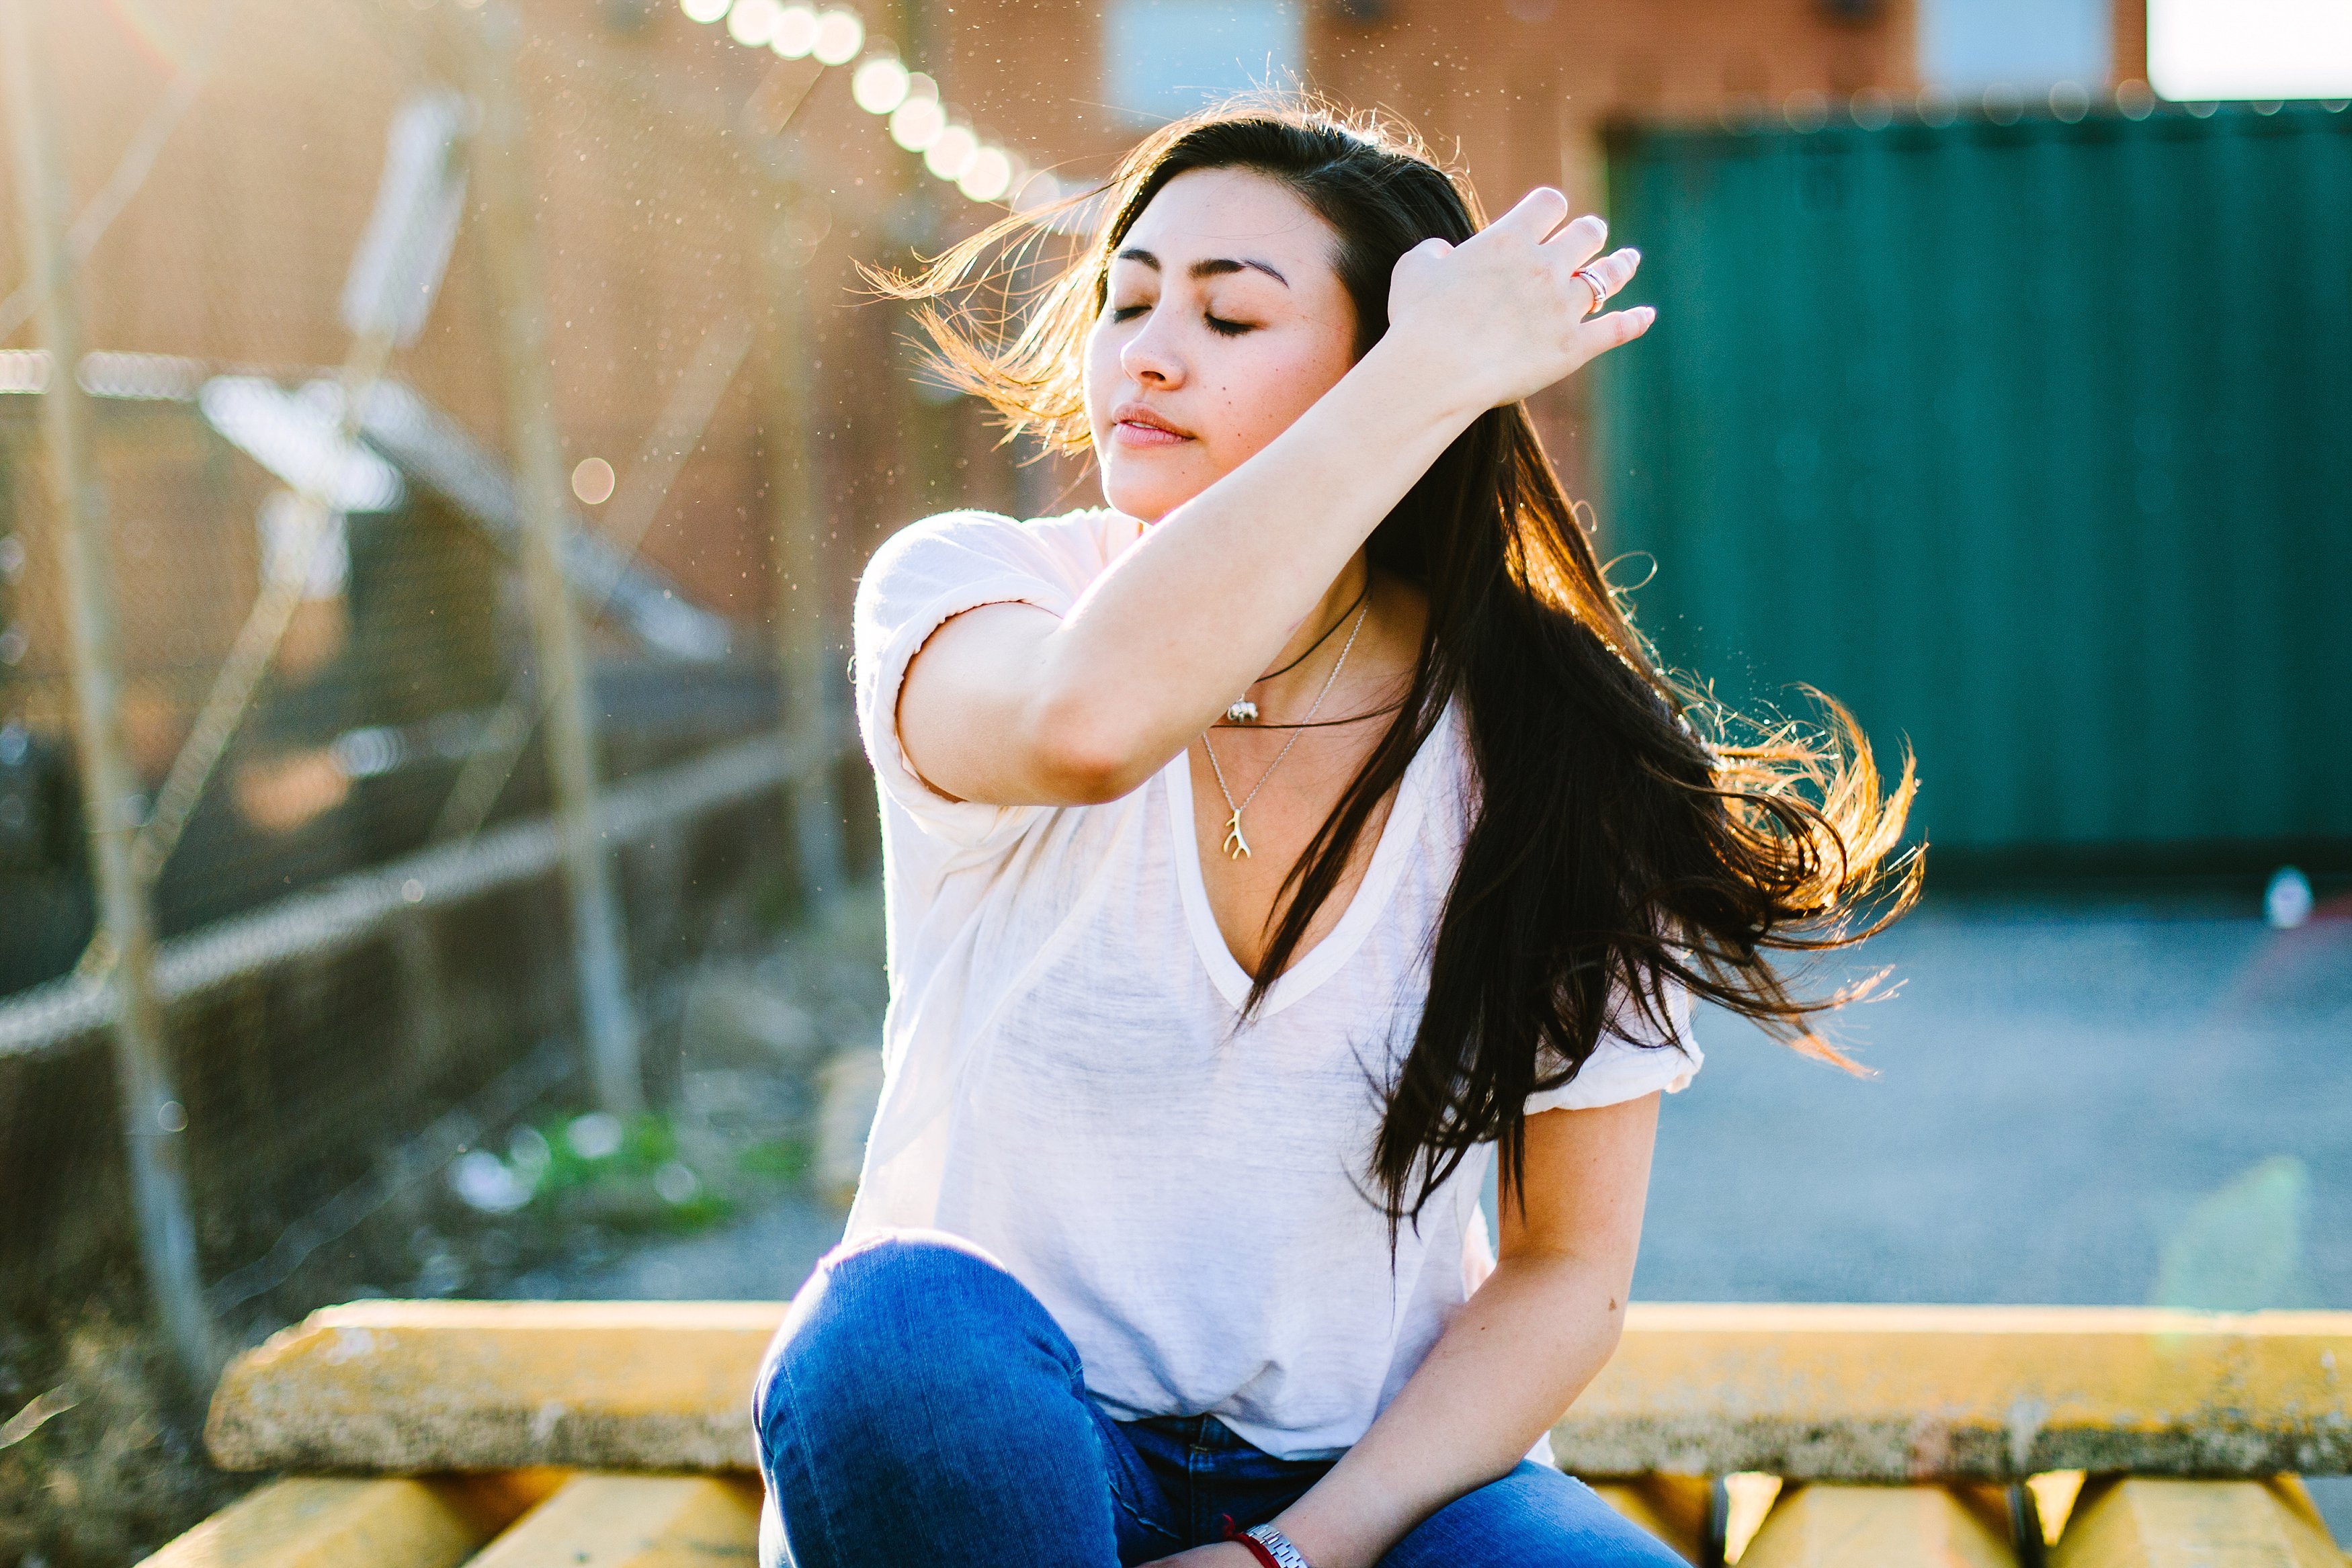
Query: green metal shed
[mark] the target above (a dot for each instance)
(2031, 442)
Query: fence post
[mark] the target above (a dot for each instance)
(501, 165)
(805, 645)
(153, 1120)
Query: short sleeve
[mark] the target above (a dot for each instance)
(1623, 1068)
(924, 576)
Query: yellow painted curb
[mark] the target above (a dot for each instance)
(417, 1386)
(1998, 1393)
(1834, 1393)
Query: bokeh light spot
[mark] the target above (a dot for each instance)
(592, 481)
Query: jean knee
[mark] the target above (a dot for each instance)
(905, 1315)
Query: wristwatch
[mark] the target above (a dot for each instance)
(1273, 1548)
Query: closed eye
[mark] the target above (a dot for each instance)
(1217, 324)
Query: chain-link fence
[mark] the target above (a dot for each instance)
(436, 443)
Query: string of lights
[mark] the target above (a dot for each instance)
(882, 85)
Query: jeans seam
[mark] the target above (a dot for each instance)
(1114, 1473)
(816, 1494)
(1120, 1497)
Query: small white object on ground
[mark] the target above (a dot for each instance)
(596, 1137)
(484, 1181)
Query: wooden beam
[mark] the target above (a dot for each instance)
(1826, 1526)
(2143, 1521)
(635, 1521)
(1872, 1393)
(320, 1521)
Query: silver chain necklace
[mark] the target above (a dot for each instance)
(1235, 846)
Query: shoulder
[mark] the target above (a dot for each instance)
(954, 548)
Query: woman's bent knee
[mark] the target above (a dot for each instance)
(902, 1316)
(918, 1393)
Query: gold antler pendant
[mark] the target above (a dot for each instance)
(1235, 846)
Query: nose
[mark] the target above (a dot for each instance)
(1151, 357)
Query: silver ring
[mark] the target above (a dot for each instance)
(1592, 280)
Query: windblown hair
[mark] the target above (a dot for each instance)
(1627, 831)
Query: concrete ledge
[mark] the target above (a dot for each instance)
(1813, 1393)
(417, 1386)
(1994, 1393)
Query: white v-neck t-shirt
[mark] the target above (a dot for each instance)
(1066, 1087)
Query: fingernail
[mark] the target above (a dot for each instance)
(1634, 255)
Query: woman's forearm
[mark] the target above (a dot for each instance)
(1517, 1355)
(1130, 669)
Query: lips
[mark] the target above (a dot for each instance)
(1135, 424)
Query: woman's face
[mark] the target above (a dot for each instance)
(1224, 321)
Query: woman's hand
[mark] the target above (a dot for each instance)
(1504, 314)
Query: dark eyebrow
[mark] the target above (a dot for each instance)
(1213, 268)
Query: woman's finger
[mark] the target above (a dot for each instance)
(1606, 275)
(1580, 241)
(1602, 333)
(1538, 214)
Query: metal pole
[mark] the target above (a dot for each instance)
(153, 1120)
(501, 165)
(805, 643)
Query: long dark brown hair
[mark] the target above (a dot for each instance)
(1628, 833)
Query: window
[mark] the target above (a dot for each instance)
(1162, 59)
(1968, 46)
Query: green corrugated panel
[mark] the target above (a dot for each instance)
(2033, 444)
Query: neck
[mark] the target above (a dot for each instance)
(1301, 662)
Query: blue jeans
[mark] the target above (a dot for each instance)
(921, 1406)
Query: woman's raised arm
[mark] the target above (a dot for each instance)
(1011, 706)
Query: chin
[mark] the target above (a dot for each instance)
(1147, 497)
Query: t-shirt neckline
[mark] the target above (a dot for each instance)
(1364, 910)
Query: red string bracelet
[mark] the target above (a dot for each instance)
(1257, 1547)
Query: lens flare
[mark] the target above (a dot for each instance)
(795, 33)
(917, 123)
(987, 176)
(752, 22)
(950, 150)
(839, 35)
(879, 85)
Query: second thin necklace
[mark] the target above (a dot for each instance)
(1235, 846)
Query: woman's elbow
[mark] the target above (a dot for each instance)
(1084, 757)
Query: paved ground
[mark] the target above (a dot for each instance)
(2080, 1104)
(2085, 1102)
